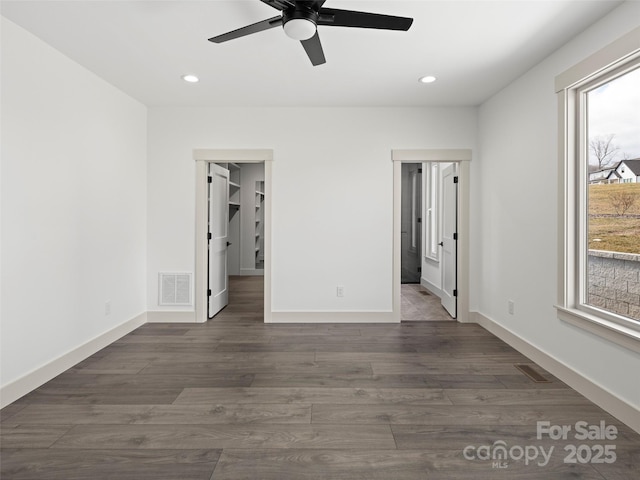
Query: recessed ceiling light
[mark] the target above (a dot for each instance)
(190, 78)
(428, 79)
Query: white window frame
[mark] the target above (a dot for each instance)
(571, 86)
(415, 177)
(431, 192)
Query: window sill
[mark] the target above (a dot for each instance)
(607, 329)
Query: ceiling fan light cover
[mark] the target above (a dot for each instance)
(300, 28)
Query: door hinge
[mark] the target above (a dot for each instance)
(455, 179)
(419, 219)
(419, 170)
(209, 179)
(209, 236)
(455, 293)
(208, 293)
(419, 269)
(455, 236)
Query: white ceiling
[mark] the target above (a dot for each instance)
(474, 47)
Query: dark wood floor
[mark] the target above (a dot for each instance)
(237, 399)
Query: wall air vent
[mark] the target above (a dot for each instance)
(175, 289)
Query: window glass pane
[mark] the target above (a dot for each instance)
(432, 210)
(613, 196)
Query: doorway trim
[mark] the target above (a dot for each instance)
(202, 158)
(462, 157)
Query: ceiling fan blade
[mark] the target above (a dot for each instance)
(313, 47)
(350, 18)
(248, 30)
(316, 4)
(280, 4)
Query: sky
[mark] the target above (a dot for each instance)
(614, 108)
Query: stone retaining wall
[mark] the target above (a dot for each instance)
(614, 282)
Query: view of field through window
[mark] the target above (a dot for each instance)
(613, 117)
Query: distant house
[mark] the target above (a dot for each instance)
(602, 176)
(625, 171)
(629, 171)
(614, 176)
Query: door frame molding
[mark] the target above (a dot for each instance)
(202, 158)
(463, 158)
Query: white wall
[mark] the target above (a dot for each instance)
(516, 221)
(332, 192)
(73, 205)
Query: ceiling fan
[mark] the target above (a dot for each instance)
(301, 18)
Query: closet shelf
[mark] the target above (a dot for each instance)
(259, 216)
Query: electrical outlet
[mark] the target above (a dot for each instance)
(107, 307)
(340, 291)
(511, 306)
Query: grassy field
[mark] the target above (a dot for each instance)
(618, 233)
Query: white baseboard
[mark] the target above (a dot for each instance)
(434, 290)
(18, 388)
(171, 317)
(598, 394)
(332, 317)
(252, 271)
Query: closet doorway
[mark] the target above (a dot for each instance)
(235, 235)
(233, 225)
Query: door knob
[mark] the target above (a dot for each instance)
(441, 244)
(228, 243)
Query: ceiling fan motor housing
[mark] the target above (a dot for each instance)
(300, 23)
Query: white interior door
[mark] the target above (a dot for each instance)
(218, 238)
(449, 252)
